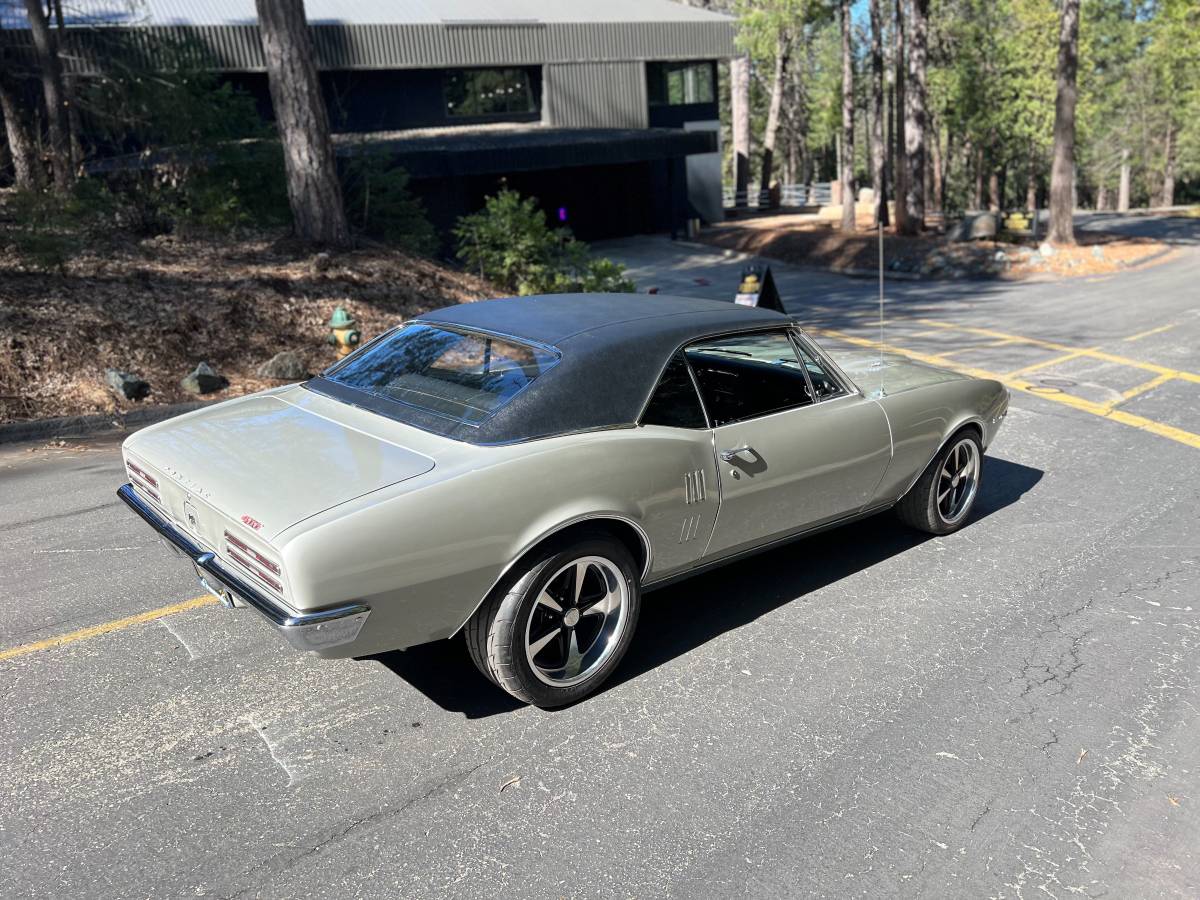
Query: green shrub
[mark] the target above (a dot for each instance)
(379, 203)
(241, 183)
(509, 243)
(48, 228)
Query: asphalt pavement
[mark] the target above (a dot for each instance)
(1009, 711)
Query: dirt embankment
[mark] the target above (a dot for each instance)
(808, 241)
(157, 307)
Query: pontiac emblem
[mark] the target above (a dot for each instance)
(252, 522)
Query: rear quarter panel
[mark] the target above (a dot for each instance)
(424, 554)
(924, 418)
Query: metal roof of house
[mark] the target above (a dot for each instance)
(389, 34)
(370, 12)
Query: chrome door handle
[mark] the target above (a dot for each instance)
(731, 455)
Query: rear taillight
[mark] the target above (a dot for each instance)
(261, 567)
(144, 480)
(141, 473)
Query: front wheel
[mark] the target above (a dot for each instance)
(943, 496)
(560, 629)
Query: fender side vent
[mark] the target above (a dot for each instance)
(693, 487)
(689, 529)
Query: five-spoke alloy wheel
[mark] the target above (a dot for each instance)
(558, 626)
(941, 500)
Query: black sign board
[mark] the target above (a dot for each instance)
(757, 288)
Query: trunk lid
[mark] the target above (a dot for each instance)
(268, 464)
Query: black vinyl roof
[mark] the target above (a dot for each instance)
(614, 348)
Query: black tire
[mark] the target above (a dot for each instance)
(498, 634)
(932, 504)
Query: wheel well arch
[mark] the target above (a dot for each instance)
(623, 529)
(969, 425)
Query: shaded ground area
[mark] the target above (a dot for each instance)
(159, 306)
(809, 241)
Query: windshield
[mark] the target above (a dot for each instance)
(462, 375)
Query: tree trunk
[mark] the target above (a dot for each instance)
(70, 90)
(1062, 174)
(1123, 185)
(878, 114)
(980, 178)
(914, 118)
(936, 173)
(782, 50)
(739, 86)
(50, 68)
(847, 158)
(900, 169)
(27, 168)
(1168, 187)
(994, 189)
(314, 193)
(889, 176)
(1102, 198)
(1031, 184)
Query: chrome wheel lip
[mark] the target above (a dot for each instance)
(957, 482)
(600, 572)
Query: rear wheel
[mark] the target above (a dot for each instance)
(556, 632)
(941, 500)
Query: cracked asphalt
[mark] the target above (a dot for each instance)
(1009, 711)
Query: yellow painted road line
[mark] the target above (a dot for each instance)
(1046, 363)
(1141, 389)
(107, 627)
(1089, 352)
(1141, 334)
(1052, 394)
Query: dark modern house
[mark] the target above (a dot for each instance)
(605, 110)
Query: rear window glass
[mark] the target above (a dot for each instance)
(465, 376)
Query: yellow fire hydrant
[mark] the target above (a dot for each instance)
(343, 334)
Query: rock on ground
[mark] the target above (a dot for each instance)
(287, 365)
(203, 380)
(126, 384)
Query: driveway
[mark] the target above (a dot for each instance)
(1009, 711)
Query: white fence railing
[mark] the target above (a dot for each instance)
(790, 195)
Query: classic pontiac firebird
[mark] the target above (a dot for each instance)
(521, 470)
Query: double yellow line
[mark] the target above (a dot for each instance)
(107, 627)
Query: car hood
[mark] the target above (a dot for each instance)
(270, 464)
(899, 373)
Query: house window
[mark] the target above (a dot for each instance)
(489, 93)
(676, 84)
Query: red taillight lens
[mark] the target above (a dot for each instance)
(252, 561)
(246, 548)
(253, 569)
(139, 472)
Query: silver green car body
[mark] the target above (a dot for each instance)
(372, 534)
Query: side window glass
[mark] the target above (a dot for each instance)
(824, 385)
(749, 375)
(675, 401)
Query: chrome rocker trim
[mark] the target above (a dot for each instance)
(317, 630)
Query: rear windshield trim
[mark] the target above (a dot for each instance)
(391, 407)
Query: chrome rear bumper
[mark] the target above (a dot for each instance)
(317, 630)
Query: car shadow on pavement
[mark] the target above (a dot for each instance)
(687, 615)
(443, 672)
